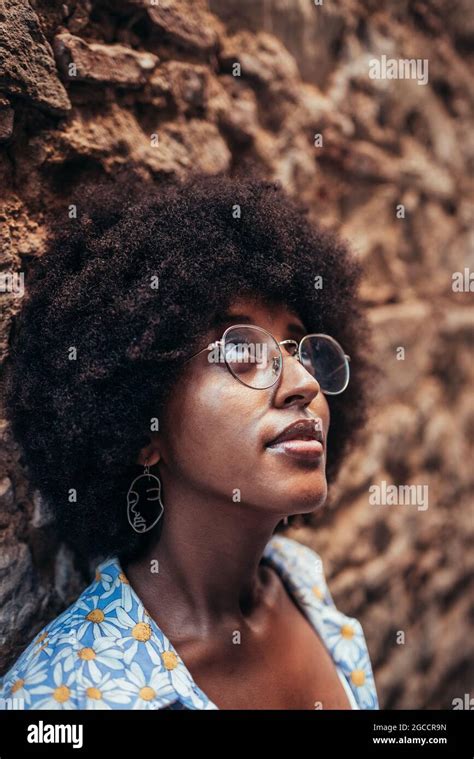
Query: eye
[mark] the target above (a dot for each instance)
(238, 349)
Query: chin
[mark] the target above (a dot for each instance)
(306, 502)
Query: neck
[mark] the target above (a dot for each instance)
(209, 555)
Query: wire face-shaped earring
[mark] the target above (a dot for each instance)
(142, 496)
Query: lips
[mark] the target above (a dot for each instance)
(303, 429)
(303, 441)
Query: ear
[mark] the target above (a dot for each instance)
(150, 453)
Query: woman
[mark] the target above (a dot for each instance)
(179, 383)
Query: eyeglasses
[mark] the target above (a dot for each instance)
(254, 357)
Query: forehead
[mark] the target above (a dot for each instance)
(263, 312)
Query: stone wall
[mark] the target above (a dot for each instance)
(88, 87)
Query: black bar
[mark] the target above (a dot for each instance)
(445, 733)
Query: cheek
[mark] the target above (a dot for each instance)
(214, 422)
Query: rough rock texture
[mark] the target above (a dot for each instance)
(27, 67)
(155, 86)
(106, 64)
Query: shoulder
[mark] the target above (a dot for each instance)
(103, 652)
(38, 678)
(60, 667)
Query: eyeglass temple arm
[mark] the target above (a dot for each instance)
(207, 348)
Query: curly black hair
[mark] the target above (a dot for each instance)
(96, 348)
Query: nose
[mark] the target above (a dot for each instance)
(296, 387)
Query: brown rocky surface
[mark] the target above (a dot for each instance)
(156, 89)
(27, 66)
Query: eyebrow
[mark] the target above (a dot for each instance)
(228, 319)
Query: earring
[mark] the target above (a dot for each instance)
(285, 520)
(141, 520)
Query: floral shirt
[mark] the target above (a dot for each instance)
(105, 651)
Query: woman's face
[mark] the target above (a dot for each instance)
(215, 431)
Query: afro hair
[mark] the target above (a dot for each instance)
(95, 348)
